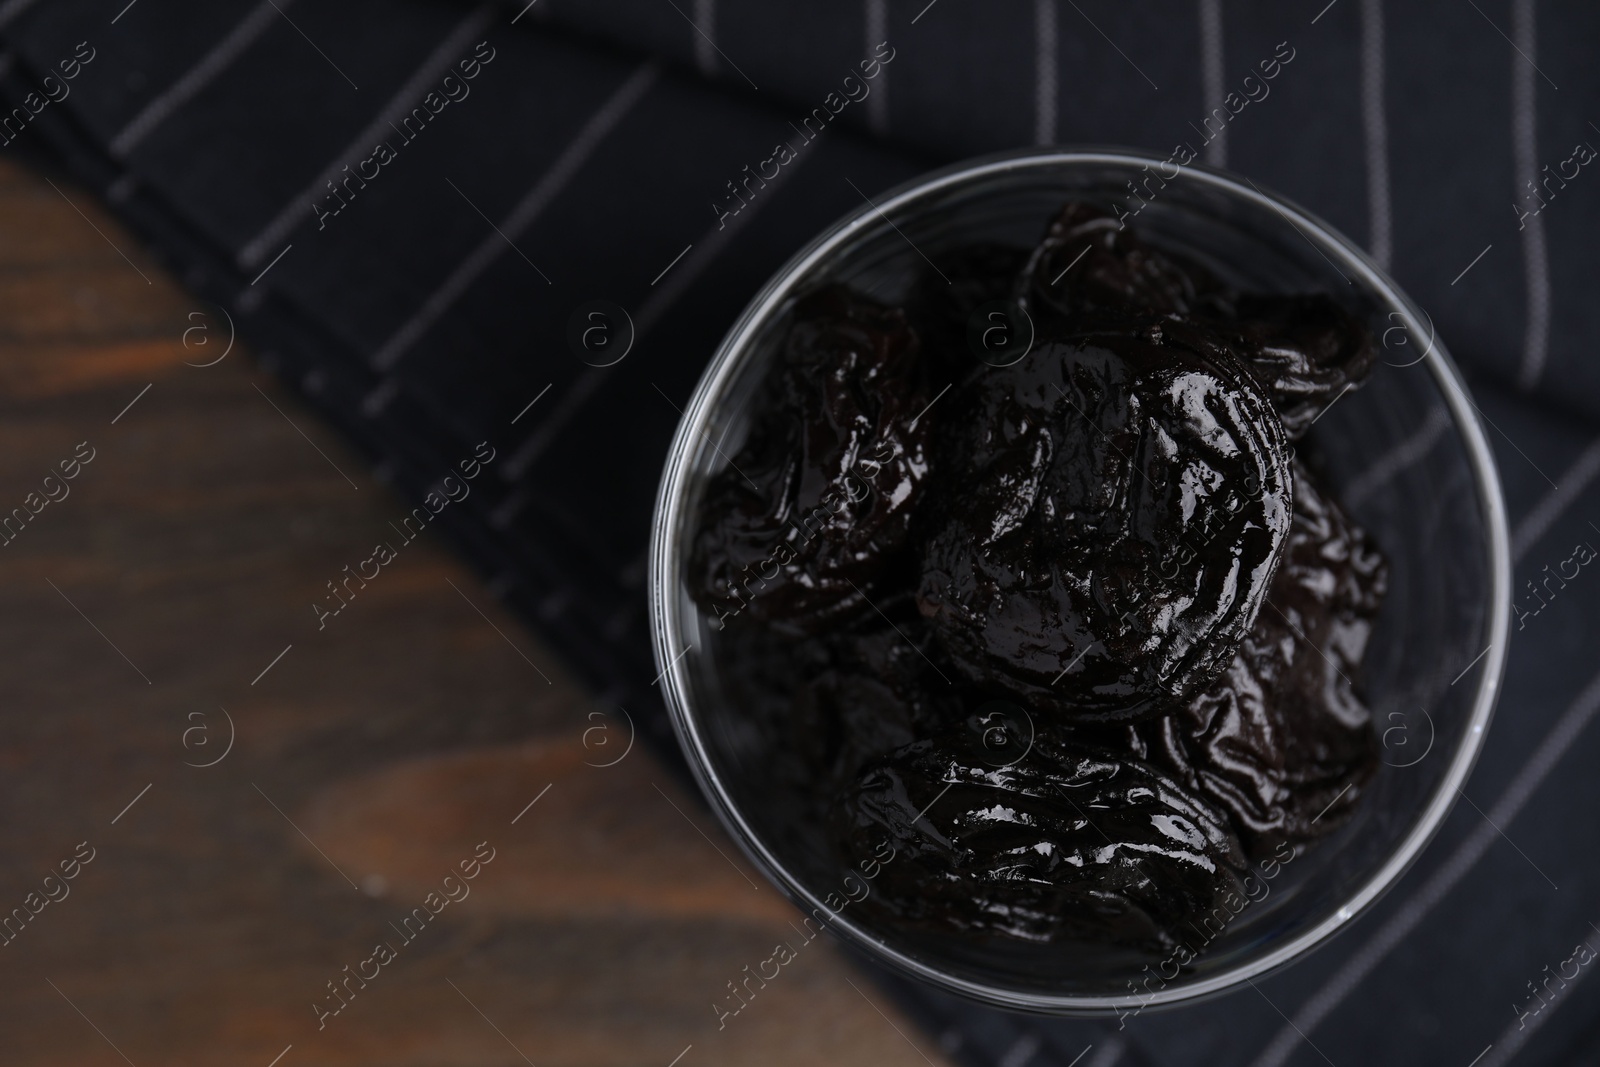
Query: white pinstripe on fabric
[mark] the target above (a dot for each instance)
(1044, 71)
(1573, 481)
(1022, 1050)
(1374, 122)
(437, 64)
(1398, 458)
(1513, 1037)
(877, 13)
(1484, 834)
(1525, 152)
(214, 62)
(705, 50)
(1108, 1052)
(1529, 776)
(706, 251)
(543, 193)
(1211, 76)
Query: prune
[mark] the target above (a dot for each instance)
(828, 705)
(803, 522)
(1307, 350)
(1304, 349)
(1104, 538)
(1067, 843)
(874, 694)
(1089, 263)
(1281, 742)
(1106, 524)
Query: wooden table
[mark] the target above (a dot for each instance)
(159, 611)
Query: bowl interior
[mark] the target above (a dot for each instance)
(1402, 454)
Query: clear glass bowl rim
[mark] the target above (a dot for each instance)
(664, 567)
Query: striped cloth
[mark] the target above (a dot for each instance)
(404, 203)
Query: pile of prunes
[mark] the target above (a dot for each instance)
(1024, 578)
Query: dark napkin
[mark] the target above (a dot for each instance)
(575, 154)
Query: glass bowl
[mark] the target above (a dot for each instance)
(1404, 454)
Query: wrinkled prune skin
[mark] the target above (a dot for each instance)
(807, 518)
(876, 693)
(834, 702)
(1305, 350)
(1105, 539)
(1089, 264)
(1068, 843)
(1282, 742)
(1106, 523)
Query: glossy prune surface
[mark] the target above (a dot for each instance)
(1281, 741)
(1305, 349)
(1071, 842)
(1088, 264)
(800, 526)
(1085, 640)
(831, 703)
(1073, 481)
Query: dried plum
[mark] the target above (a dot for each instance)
(874, 694)
(805, 520)
(1089, 263)
(1282, 742)
(1068, 843)
(828, 705)
(1307, 350)
(1106, 525)
(1104, 539)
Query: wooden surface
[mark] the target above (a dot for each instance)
(366, 762)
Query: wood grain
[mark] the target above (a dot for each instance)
(141, 614)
